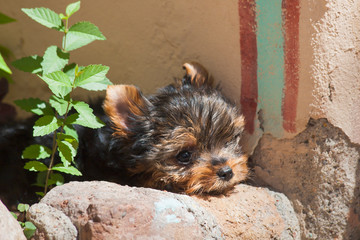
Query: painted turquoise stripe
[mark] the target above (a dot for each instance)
(270, 71)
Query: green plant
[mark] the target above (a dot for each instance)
(4, 52)
(28, 227)
(62, 79)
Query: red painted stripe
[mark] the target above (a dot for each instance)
(291, 15)
(248, 51)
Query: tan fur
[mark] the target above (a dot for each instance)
(198, 74)
(120, 101)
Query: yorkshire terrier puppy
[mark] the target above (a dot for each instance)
(185, 138)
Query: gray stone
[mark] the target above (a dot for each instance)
(319, 171)
(51, 223)
(9, 228)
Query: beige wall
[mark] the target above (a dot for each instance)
(147, 41)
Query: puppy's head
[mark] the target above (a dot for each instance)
(185, 138)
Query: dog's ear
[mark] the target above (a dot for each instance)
(123, 103)
(196, 75)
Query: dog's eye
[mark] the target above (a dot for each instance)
(184, 157)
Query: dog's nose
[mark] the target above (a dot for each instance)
(225, 173)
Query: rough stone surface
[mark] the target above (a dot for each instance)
(319, 171)
(254, 213)
(51, 223)
(103, 210)
(283, 205)
(9, 227)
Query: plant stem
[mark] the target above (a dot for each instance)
(54, 145)
(65, 33)
(51, 162)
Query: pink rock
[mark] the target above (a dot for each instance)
(103, 210)
(51, 224)
(253, 213)
(9, 227)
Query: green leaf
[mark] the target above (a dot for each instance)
(80, 120)
(62, 16)
(54, 60)
(45, 16)
(41, 194)
(29, 225)
(45, 125)
(23, 207)
(59, 104)
(6, 19)
(69, 139)
(29, 229)
(35, 105)
(70, 170)
(35, 166)
(72, 8)
(3, 65)
(97, 86)
(14, 215)
(58, 82)
(67, 146)
(40, 179)
(65, 152)
(30, 64)
(92, 76)
(81, 34)
(85, 116)
(70, 130)
(36, 151)
(56, 178)
(83, 109)
(70, 70)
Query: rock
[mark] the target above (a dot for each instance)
(51, 224)
(254, 213)
(9, 228)
(319, 171)
(283, 205)
(103, 210)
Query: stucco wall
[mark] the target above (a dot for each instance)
(336, 67)
(147, 41)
